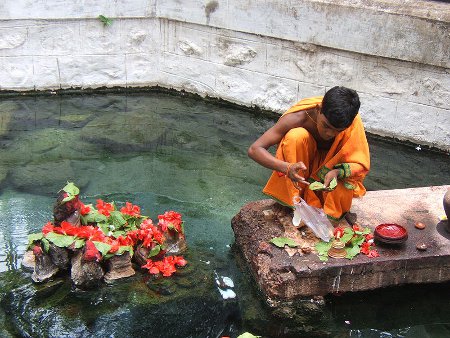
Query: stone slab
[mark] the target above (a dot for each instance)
(282, 277)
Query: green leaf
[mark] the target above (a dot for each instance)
(124, 248)
(71, 191)
(102, 247)
(63, 241)
(105, 20)
(93, 217)
(348, 234)
(154, 251)
(323, 247)
(352, 251)
(248, 335)
(34, 237)
(358, 240)
(118, 233)
(316, 186)
(332, 184)
(117, 219)
(79, 243)
(45, 244)
(104, 227)
(282, 241)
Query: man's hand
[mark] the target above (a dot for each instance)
(329, 177)
(293, 174)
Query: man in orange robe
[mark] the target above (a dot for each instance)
(319, 139)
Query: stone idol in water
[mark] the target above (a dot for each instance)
(103, 243)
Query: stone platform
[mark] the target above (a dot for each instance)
(287, 275)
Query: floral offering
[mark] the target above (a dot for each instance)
(356, 239)
(104, 231)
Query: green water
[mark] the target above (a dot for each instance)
(165, 152)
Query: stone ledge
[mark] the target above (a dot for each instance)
(282, 277)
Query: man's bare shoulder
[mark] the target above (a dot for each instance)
(297, 119)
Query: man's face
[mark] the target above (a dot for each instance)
(325, 129)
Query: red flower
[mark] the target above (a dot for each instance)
(37, 250)
(114, 246)
(124, 240)
(130, 209)
(166, 266)
(373, 253)
(48, 227)
(338, 232)
(170, 219)
(91, 253)
(90, 233)
(356, 227)
(369, 237)
(365, 248)
(84, 209)
(104, 208)
(66, 229)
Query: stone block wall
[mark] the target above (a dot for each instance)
(256, 53)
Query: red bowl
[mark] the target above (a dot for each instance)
(391, 232)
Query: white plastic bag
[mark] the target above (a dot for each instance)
(314, 218)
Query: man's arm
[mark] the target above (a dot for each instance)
(258, 151)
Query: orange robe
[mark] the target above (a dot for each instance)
(349, 153)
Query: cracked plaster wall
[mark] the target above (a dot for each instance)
(263, 53)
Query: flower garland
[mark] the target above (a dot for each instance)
(357, 240)
(104, 232)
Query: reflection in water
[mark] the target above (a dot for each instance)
(163, 153)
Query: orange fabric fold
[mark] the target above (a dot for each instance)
(349, 151)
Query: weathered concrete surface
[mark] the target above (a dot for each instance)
(282, 277)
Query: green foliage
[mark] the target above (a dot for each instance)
(248, 335)
(105, 20)
(102, 247)
(63, 241)
(282, 241)
(93, 217)
(322, 250)
(154, 251)
(71, 191)
(34, 238)
(320, 186)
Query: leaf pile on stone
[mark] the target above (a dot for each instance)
(357, 240)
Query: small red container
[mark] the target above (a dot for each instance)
(390, 233)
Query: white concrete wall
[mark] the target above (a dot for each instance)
(252, 52)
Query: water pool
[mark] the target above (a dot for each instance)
(166, 152)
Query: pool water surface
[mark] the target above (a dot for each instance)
(170, 152)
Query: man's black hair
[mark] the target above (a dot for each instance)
(340, 106)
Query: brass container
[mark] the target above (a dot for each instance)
(337, 249)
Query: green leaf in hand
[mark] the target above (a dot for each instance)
(282, 241)
(320, 186)
(316, 186)
(332, 184)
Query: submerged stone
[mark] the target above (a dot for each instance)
(119, 267)
(44, 268)
(85, 274)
